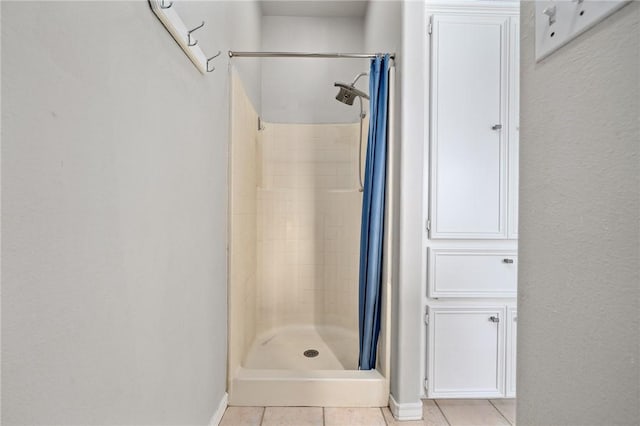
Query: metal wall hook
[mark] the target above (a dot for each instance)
(162, 5)
(210, 59)
(189, 35)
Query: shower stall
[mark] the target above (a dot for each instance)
(295, 208)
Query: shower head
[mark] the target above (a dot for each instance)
(348, 92)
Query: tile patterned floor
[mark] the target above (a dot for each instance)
(441, 412)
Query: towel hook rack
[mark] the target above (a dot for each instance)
(167, 13)
(189, 35)
(213, 68)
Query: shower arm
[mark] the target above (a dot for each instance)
(362, 74)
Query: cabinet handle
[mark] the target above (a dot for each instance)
(507, 260)
(496, 127)
(494, 319)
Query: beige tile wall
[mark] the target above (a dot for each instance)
(308, 226)
(243, 232)
(294, 227)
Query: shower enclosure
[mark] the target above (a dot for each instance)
(295, 205)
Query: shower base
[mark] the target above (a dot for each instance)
(283, 349)
(277, 373)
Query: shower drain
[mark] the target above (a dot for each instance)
(311, 353)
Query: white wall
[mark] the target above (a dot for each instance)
(229, 25)
(114, 170)
(391, 26)
(302, 90)
(242, 21)
(578, 318)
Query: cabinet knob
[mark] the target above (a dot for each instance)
(496, 127)
(494, 319)
(507, 260)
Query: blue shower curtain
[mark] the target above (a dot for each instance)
(372, 230)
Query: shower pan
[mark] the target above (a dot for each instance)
(295, 212)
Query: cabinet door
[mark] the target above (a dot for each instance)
(466, 352)
(512, 333)
(469, 84)
(514, 126)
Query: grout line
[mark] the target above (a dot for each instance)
(435, 401)
(324, 421)
(499, 411)
(264, 409)
(383, 417)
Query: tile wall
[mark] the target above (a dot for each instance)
(308, 229)
(295, 210)
(243, 175)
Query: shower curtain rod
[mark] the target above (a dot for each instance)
(234, 54)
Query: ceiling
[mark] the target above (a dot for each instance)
(342, 8)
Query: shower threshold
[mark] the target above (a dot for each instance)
(309, 388)
(306, 366)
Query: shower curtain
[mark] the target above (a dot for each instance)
(372, 230)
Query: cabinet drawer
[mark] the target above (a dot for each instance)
(472, 273)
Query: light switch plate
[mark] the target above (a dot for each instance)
(559, 22)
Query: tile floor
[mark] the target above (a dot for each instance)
(442, 412)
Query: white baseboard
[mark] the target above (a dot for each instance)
(217, 416)
(405, 411)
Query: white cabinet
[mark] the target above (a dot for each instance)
(474, 127)
(514, 127)
(471, 257)
(469, 134)
(512, 334)
(466, 346)
(466, 272)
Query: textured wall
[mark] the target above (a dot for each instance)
(578, 319)
(114, 171)
(301, 90)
